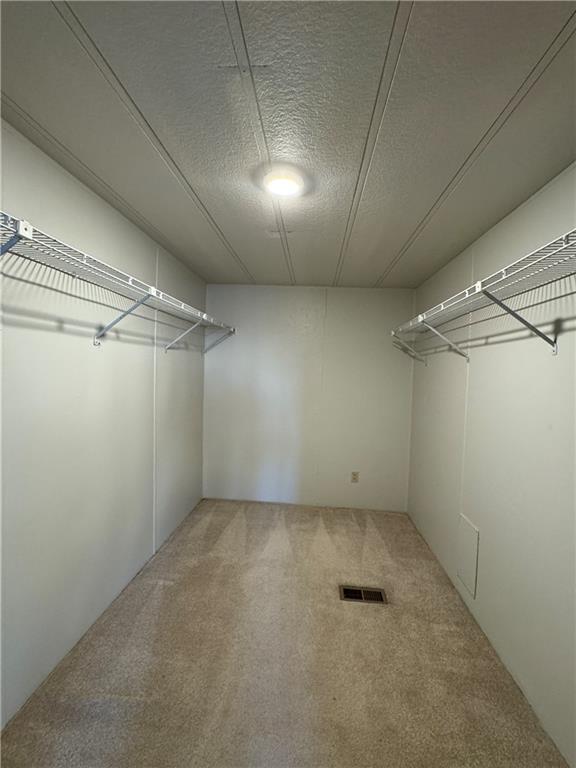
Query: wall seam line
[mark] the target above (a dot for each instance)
(461, 510)
(322, 378)
(155, 419)
(410, 420)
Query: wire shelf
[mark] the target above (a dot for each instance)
(37, 246)
(552, 262)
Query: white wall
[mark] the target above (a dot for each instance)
(308, 391)
(494, 439)
(102, 448)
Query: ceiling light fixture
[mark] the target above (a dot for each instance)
(283, 181)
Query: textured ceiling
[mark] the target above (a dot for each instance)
(420, 124)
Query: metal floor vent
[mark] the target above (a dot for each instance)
(363, 594)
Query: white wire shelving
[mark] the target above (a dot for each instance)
(552, 262)
(22, 239)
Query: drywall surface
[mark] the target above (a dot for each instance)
(494, 440)
(179, 397)
(308, 391)
(97, 469)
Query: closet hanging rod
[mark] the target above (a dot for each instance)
(552, 262)
(22, 239)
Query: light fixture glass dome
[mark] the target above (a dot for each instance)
(283, 181)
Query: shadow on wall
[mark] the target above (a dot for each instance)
(268, 434)
(28, 285)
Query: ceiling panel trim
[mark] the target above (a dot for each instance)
(561, 39)
(14, 114)
(80, 33)
(240, 46)
(389, 68)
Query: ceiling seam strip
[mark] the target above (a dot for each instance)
(284, 241)
(106, 190)
(89, 46)
(240, 47)
(398, 32)
(8, 102)
(557, 44)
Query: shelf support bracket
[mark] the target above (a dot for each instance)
(552, 341)
(23, 230)
(103, 331)
(181, 336)
(455, 347)
(228, 333)
(10, 244)
(411, 351)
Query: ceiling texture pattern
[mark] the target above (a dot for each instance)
(419, 125)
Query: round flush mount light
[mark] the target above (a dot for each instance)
(283, 181)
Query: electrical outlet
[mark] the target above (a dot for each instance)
(355, 477)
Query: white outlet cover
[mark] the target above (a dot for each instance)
(468, 541)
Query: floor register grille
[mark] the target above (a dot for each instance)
(363, 594)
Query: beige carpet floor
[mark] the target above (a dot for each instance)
(231, 649)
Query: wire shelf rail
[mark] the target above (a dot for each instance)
(552, 262)
(22, 239)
